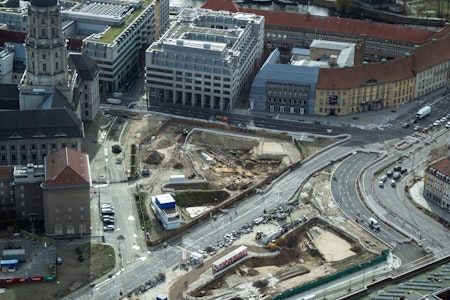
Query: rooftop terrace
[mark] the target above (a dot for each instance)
(131, 13)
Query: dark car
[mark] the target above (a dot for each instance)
(405, 125)
(78, 250)
(397, 168)
(389, 173)
(80, 258)
(403, 170)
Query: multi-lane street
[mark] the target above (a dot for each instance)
(138, 264)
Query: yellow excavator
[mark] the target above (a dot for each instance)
(275, 245)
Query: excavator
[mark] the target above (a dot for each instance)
(275, 245)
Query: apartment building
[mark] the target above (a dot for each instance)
(205, 59)
(436, 187)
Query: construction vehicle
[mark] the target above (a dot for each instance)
(275, 244)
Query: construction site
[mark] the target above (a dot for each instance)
(316, 240)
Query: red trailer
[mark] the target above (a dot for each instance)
(229, 259)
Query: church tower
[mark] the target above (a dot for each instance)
(45, 45)
(46, 56)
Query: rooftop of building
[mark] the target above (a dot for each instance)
(40, 124)
(133, 11)
(66, 167)
(29, 172)
(165, 198)
(329, 25)
(193, 30)
(442, 165)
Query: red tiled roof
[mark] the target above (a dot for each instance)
(6, 172)
(12, 37)
(67, 167)
(330, 24)
(74, 44)
(344, 78)
(344, 25)
(442, 165)
(217, 5)
(432, 54)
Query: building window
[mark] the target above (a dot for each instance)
(69, 209)
(44, 67)
(22, 203)
(57, 218)
(81, 217)
(69, 218)
(44, 56)
(43, 32)
(82, 208)
(57, 210)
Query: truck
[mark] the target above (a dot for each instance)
(424, 111)
(374, 224)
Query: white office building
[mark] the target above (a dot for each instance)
(205, 59)
(117, 32)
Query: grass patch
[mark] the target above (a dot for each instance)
(103, 259)
(144, 218)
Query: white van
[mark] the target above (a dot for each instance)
(374, 224)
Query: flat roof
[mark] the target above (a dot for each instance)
(113, 32)
(165, 198)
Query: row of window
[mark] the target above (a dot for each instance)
(24, 147)
(69, 209)
(287, 109)
(69, 218)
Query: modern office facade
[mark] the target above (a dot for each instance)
(436, 186)
(393, 64)
(121, 35)
(284, 88)
(205, 59)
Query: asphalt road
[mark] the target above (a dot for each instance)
(139, 265)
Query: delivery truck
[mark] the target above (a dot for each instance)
(424, 111)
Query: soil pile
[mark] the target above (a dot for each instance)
(154, 158)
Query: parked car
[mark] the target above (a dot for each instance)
(396, 175)
(108, 227)
(381, 183)
(397, 168)
(447, 125)
(405, 125)
(80, 258)
(58, 260)
(383, 178)
(78, 250)
(389, 173)
(416, 128)
(393, 183)
(403, 170)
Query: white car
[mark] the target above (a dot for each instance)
(447, 125)
(381, 183)
(108, 228)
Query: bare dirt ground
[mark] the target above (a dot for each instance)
(237, 165)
